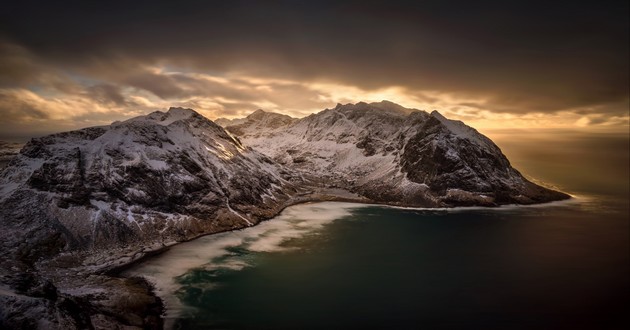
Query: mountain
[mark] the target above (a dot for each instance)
(391, 154)
(100, 197)
(229, 122)
(164, 176)
(257, 120)
(77, 206)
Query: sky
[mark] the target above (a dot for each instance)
(493, 64)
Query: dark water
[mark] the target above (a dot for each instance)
(558, 266)
(388, 268)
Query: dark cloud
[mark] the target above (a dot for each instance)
(160, 85)
(179, 85)
(17, 110)
(203, 86)
(16, 66)
(106, 93)
(518, 56)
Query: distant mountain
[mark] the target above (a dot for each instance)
(229, 122)
(257, 120)
(393, 155)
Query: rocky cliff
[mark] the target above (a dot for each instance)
(393, 155)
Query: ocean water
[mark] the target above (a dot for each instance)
(563, 265)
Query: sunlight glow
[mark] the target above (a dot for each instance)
(233, 96)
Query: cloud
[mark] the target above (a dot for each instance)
(16, 66)
(107, 94)
(555, 55)
(22, 106)
(483, 61)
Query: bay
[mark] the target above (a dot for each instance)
(341, 265)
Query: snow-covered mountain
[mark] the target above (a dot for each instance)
(157, 177)
(76, 205)
(392, 154)
(258, 120)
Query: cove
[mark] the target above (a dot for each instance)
(344, 265)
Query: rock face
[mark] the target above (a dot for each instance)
(394, 155)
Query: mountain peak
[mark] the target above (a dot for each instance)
(261, 115)
(383, 106)
(164, 118)
(258, 114)
(179, 111)
(391, 107)
(384, 103)
(437, 115)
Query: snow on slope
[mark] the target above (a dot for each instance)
(160, 177)
(463, 131)
(393, 154)
(172, 175)
(83, 202)
(327, 140)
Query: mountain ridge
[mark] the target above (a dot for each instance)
(77, 205)
(396, 155)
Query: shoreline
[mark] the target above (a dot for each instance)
(115, 271)
(109, 280)
(119, 270)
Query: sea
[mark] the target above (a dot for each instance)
(561, 265)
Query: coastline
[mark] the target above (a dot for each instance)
(116, 270)
(109, 281)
